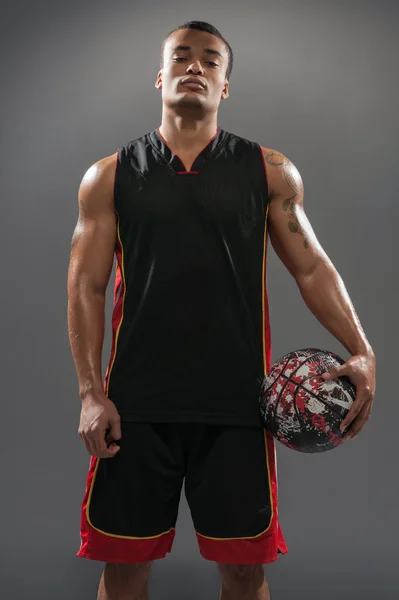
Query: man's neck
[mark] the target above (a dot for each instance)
(185, 135)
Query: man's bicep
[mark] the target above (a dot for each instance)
(95, 235)
(290, 231)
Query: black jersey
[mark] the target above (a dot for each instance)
(191, 337)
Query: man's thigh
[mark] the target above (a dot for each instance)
(131, 502)
(229, 490)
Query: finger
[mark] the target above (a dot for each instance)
(362, 398)
(335, 372)
(94, 451)
(366, 410)
(106, 451)
(97, 436)
(359, 422)
(352, 414)
(112, 450)
(112, 445)
(104, 446)
(355, 428)
(115, 429)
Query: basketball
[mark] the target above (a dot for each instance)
(301, 409)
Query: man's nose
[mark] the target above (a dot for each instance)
(195, 67)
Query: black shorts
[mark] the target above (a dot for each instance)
(131, 502)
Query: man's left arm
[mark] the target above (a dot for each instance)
(319, 283)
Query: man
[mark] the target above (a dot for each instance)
(187, 209)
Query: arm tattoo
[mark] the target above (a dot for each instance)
(276, 159)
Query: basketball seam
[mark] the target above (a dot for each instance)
(285, 385)
(312, 393)
(301, 421)
(274, 381)
(317, 397)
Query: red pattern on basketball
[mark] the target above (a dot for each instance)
(300, 408)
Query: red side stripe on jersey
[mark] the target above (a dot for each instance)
(267, 348)
(119, 298)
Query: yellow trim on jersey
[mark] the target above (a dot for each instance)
(123, 310)
(264, 290)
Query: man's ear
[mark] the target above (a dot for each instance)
(225, 92)
(158, 82)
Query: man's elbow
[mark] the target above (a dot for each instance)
(315, 271)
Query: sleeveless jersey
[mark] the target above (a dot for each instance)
(190, 325)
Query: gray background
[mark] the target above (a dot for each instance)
(315, 80)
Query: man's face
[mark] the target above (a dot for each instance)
(197, 55)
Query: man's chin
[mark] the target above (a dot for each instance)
(190, 96)
(186, 101)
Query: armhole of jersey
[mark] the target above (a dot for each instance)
(264, 164)
(266, 178)
(117, 163)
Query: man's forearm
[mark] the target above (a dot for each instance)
(86, 325)
(326, 296)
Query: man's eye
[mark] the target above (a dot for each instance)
(213, 64)
(178, 58)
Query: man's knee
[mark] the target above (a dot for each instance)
(243, 577)
(123, 577)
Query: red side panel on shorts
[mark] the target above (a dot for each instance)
(99, 545)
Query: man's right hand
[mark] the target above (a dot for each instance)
(98, 415)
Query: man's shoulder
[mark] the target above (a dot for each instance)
(281, 173)
(241, 140)
(134, 143)
(102, 171)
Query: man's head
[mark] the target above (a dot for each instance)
(196, 51)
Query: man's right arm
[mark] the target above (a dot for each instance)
(91, 261)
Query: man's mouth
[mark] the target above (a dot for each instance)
(193, 84)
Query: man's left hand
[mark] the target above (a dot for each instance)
(360, 369)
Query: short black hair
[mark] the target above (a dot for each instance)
(202, 26)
